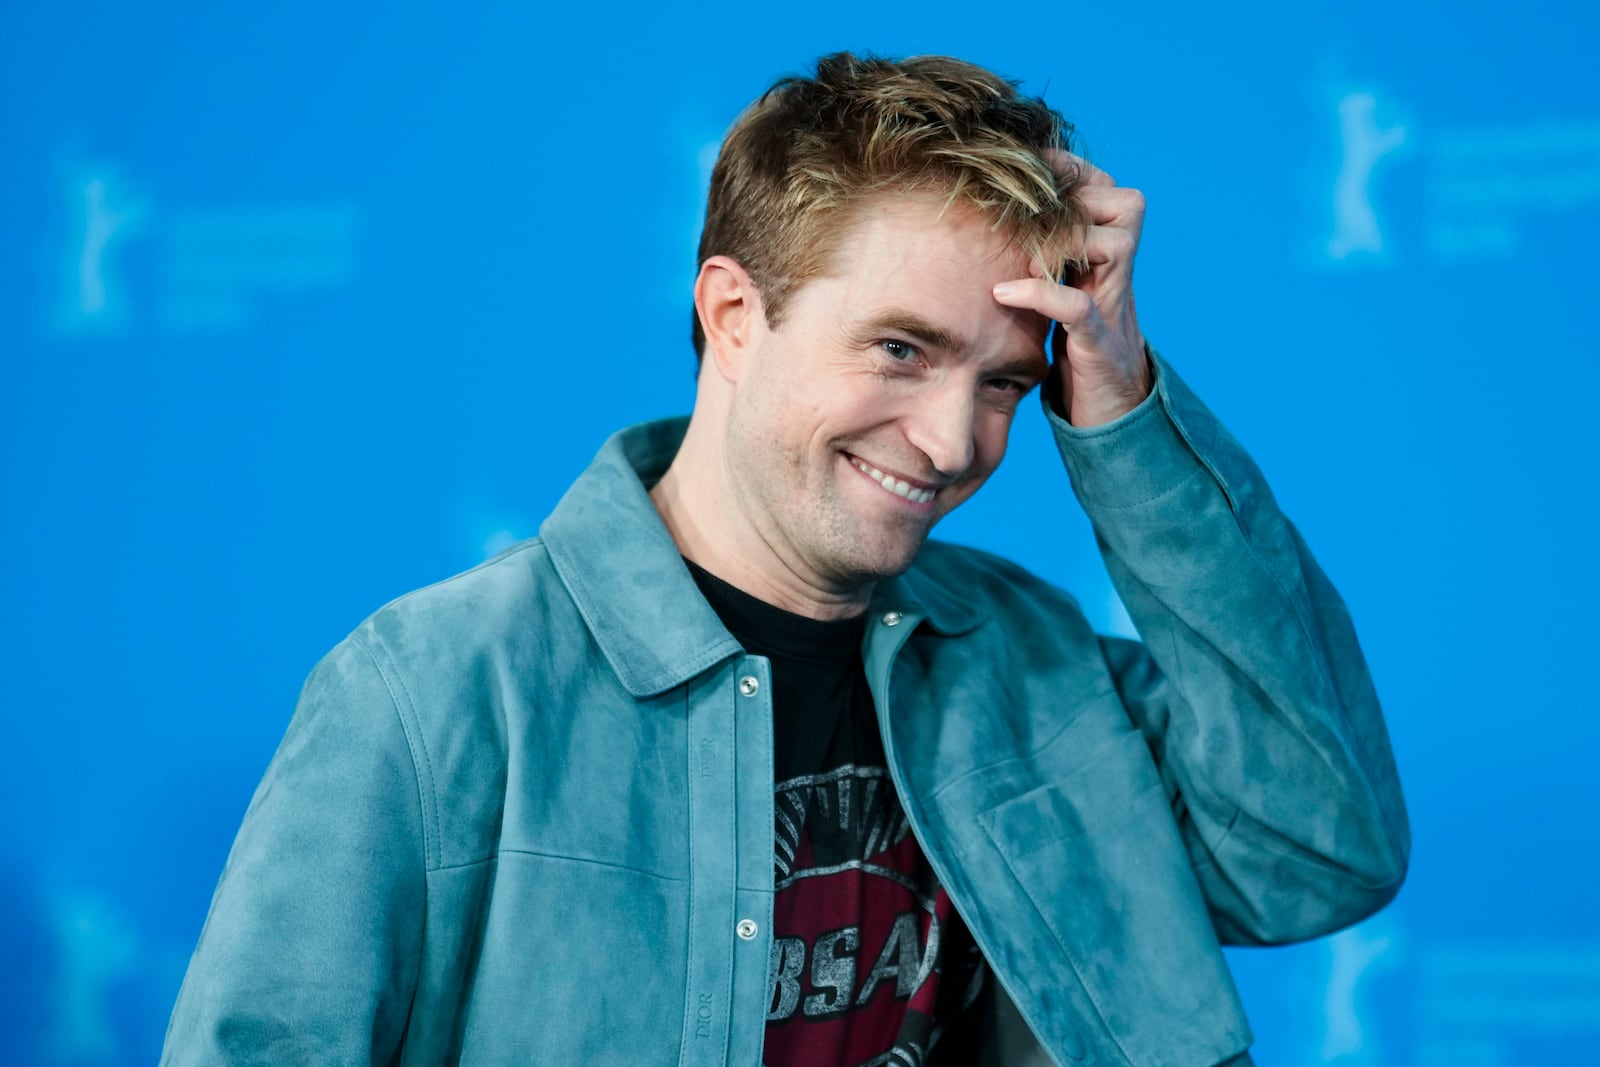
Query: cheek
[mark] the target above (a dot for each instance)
(841, 409)
(990, 434)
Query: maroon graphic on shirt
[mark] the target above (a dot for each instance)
(857, 925)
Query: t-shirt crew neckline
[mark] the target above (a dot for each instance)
(764, 628)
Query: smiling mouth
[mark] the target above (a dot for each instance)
(890, 483)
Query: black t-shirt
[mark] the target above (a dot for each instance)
(869, 957)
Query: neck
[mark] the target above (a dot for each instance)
(701, 512)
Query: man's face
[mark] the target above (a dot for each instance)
(885, 397)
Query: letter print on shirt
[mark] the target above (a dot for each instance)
(859, 918)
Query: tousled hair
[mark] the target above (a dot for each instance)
(802, 159)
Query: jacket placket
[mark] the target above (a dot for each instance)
(887, 636)
(729, 775)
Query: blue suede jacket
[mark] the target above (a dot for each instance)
(526, 815)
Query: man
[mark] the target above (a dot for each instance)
(732, 765)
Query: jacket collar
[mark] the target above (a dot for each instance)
(624, 572)
(925, 598)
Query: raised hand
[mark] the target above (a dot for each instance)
(1101, 367)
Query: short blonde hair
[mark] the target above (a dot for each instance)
(799, 161)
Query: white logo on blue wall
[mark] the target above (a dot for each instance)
(1364, 144)
(1477, 186)
(103, 214)
(1485, 182)
(96, 950)
(1353, 956)
(198, 270)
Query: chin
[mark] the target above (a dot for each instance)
(887, 562)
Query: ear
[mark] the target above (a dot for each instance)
(729, 308)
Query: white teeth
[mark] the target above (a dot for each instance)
(893, 484)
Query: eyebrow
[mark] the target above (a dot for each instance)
(920, 329)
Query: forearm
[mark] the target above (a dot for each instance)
(1262, 716)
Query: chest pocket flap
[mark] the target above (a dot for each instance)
(1099, 857)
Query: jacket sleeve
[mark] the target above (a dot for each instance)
(1250, 688)
(309, 952)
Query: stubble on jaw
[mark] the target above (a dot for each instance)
(821, 534)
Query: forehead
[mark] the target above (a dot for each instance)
(940, 262)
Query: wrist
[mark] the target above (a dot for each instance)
(1086, 406)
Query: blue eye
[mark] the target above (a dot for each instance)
(899, 351)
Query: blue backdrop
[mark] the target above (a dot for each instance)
(305, 305)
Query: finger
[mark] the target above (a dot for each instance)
(1109, 245)
(1063, 303)
(1069, 166)
(1113, 205)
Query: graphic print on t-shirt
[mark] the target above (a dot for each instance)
(870, 962)
(857, 922)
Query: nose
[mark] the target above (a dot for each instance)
(940, 426)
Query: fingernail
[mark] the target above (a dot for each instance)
(1005, 290)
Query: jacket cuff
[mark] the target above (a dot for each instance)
(1132, 459)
